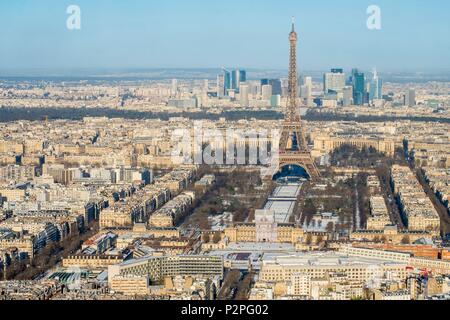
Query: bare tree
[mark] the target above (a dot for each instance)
(406, 240)
(217, 237)
(206, 238)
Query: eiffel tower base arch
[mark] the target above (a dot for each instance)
(302, 160)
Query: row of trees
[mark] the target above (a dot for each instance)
(363, 200)
(244, 286)
(33, 114)
(50, 255)
(229, 285)
(440, 208)
(350, 156)
(382, 239)
(338, 199)
(370, 158)
(309, 240)
(314, 115)
(384, 175)
(235, 191)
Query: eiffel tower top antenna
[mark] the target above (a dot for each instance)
(292, 113)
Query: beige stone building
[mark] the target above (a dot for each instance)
(290, 268)
(161, 220)
(11, 146)
(91, 261)
(246, 232)
(326, 144)
(115, 218)
(390, 234)
(130, 285)
(25, 244)
(13, 194)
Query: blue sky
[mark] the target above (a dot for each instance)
(415, 34)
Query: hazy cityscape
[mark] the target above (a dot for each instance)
(225, 183)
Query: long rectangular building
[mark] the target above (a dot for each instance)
(280, 269)
(156, 268)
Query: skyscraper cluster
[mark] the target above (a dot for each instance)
(357, 90)
(230, 81)
(338, 89)
(234, 85)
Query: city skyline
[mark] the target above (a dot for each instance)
(248, 35)
(226, 190)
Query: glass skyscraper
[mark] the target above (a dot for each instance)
(235, 80)
(376, 87)
(226, 81)
(359, 87)
(242, 76)
(276, 86)
(237, 77)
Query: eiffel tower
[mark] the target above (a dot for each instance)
(293, 147)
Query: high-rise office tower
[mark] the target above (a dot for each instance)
(254, 88)
(410, 98)
(333, 81)
(307, 81)
(305, 91)
(235, 80)
(220, 85)
(244, 92)
(266, 91)
(359, 87)
(174, 88)
(276, 86)
(376, 87)
(306, 87)
(242, 76)
(264, 82)
(347, 96)
(205, 85)
(238, 77)
(226, 81)
(275, 100)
